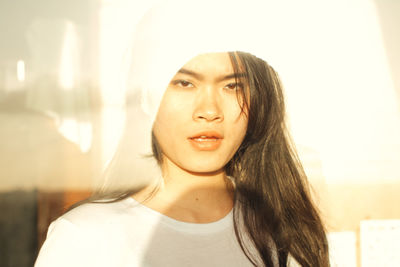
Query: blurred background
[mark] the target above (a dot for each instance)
(62, 113)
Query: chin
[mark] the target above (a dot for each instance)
(203, 167)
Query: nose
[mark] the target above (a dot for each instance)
(208, 106)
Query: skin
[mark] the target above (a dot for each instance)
(200, 97)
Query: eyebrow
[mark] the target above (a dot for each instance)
(219, 79)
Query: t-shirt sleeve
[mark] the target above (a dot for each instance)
(67, 244)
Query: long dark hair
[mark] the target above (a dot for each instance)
(273, 206)
(271, 185)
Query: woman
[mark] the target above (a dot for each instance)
(232, 191)
(226, 146)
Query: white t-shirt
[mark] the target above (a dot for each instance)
(127, 233)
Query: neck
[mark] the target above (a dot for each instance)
(189, 196)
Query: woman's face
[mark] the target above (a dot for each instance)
(200, 124)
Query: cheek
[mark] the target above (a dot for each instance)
(169, 122)
(168, 112)
(238, 119)
(236, 131)
(165, 129)
(241, 129)
(172, 106)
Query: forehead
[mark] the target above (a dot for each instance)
(210, 63)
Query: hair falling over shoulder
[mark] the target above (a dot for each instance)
(271, 186)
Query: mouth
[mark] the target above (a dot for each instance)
(206, 141)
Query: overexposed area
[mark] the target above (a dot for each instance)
(63, 73)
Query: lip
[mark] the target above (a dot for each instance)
(209, 134)
(206, 140)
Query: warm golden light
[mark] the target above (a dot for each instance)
(116, 21)
(79, 133)
(69, 56)
(21, 71)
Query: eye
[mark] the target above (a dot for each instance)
(182, 83)
(234, 86)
